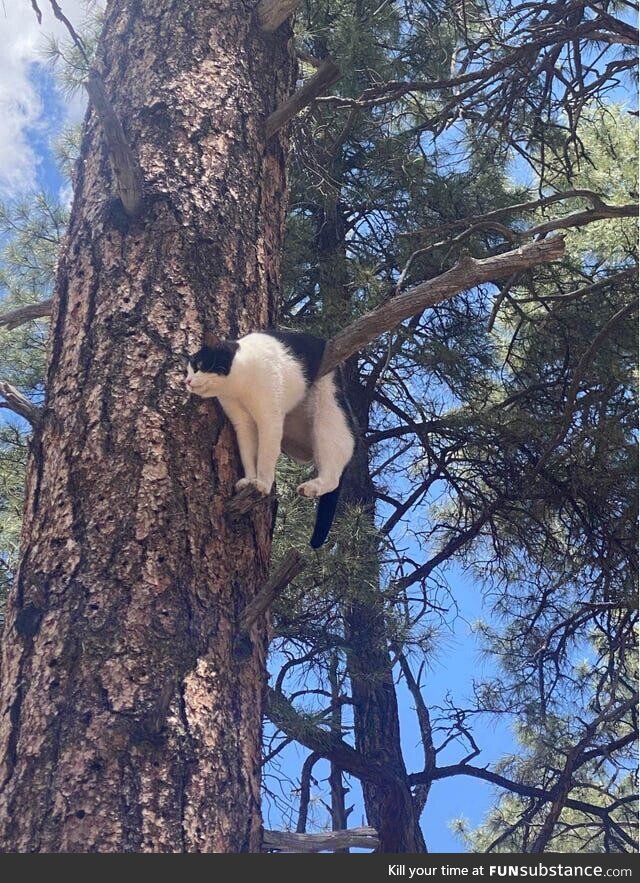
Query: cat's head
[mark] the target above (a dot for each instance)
(209, 368)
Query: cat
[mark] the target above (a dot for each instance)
(268, 386)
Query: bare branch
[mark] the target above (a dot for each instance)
(326, 75)
(305, 790)
(59, 14)
(126, 171)
(36, 9)
(271, 13)
(466, 274)
(19, 316)
(292, 565)
(329, 841)
(19, 404)
(531, 205)
(581, 219)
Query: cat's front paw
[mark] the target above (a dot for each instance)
(261, 486)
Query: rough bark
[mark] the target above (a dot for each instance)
(126, 723)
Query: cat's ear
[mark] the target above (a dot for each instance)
(212, 340)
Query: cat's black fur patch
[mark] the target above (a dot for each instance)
(307, 348)
(215, 360)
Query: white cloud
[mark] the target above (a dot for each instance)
(22, 110)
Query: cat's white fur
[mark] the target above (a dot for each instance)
(266, 398)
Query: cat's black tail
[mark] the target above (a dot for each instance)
(325, 513)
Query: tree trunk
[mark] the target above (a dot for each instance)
(126, 722)
(391, 811)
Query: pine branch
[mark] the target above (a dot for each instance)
(19, 316)
(331, 841)
(467, 274)
(326, 75)
(19, 404)
(283, 715)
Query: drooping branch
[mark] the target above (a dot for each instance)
(271, 13)
(291, 566)
(466, 274)
(326, 75)
(19, 316)
(330, 745)
(19, 404)
(532, 791)
(126, 171)
(329, 841)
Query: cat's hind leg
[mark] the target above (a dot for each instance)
(332, 439)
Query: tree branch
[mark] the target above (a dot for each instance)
(244, 501)
(292, 565)
(466, 274)
(19, 316)
(332, 841)
(19, 404)
(581, 219)
(271, 13)
(326, 75)
(305, 790)
(283, 715)
(126, 171)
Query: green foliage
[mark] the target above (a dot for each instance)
(30, 233)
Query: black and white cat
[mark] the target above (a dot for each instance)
(267, 383)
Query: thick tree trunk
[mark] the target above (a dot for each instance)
(126, 723)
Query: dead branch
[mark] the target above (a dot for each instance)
(126, 171)
(329, 841)
(581, 219)
(326, 75)
(271, 13)
(19, 404)
(531, 205)
(19, 316)
(292, 565)
(244, 501)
